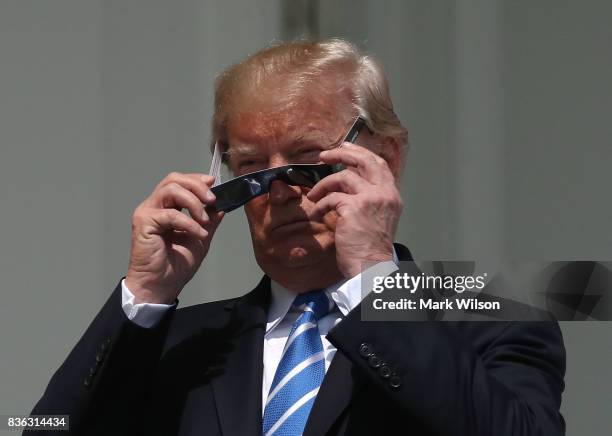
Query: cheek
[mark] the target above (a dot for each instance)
(255, 211)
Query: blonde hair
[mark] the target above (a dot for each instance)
(333, 66)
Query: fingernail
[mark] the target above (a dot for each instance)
(210, 196)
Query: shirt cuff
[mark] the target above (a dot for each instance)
(362, 284)
(143, 314)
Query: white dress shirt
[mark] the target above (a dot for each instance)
(346, 294)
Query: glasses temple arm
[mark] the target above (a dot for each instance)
(215, 165)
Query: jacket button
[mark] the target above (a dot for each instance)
(365, 350)
(395, 382)
(93, 370)
(384, 371)
(87, 382)
(374, 361)
(99, 357)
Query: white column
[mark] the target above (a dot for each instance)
(476, 131)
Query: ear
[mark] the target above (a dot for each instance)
(391, 152)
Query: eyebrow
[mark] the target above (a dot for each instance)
(315, 136)
(241, 149)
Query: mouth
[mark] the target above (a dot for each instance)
(289, 225)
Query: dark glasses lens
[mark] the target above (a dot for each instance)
(236, 192)
(305, 175)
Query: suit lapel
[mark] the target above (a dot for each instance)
(237, 389)
(340, 384)
(403, 254)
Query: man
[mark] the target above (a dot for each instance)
(293, 356)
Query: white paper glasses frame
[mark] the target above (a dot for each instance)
(215, 165)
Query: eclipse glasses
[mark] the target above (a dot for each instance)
(240, 190)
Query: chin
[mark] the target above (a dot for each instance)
(297, 255)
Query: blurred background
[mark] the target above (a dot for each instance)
(507, 102)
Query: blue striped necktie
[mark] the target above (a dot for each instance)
(300, 371)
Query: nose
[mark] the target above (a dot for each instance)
(280, 192)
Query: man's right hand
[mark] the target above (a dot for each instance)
(168, 246)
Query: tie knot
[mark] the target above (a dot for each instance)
(315, 301)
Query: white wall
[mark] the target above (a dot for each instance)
(507, 104)
(51, 189)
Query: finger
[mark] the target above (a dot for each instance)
(197, 183)
(344, 181)
(215, 220)
(172, 219)
(176, 177)
(334, 201)
(368, 164)
(178, 197)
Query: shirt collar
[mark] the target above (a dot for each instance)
(346, 294)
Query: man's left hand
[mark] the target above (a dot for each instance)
(368, 204)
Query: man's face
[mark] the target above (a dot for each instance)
(284, 230)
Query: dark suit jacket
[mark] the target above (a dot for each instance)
(199, 372)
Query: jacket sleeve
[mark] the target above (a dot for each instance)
(106, 376)
(476, 378)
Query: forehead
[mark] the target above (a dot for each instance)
(319, 120)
